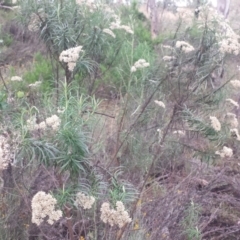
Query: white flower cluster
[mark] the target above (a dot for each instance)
(117, 25)
(5, 152)
(184, 46)
(160, 103)
(16, 79)
(61, 110)
(54, 122)
(225, 152)
(230, 41)
(109, 32)
(70, 56)
(225, 35)
(43, 205)
(141, 63)
(115, 217)
(84, 201)
(167, 47)
(168, 58)
(35, 85)
(229, 45)
(179, 132)
(216, 125)
(127, 29)
(235, 83)
(41, 126)
(232, 102)
(232, 120)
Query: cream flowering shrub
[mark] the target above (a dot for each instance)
(122, 216)
(227, 39)
(184, 46)
(160, 103)
(234, 103)
(43, 205)
(107, 214)
(84, 201)
(70, 56)
(225, 152)
(179, 132)
(16, 79)
(168, 58)
(33, 126)
(5, 152)
(133, 69)
(109, 32)
(235, 83)
(42, 125)
(61, 110)
(230, 40)
(35, 85)
(127, 29)
(141, 63)
(167, 47)
(54, 122)
(117, 25)
(229, 46)
(113, 217)
(216, 125)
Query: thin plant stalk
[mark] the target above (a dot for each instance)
(147, 102)
(4, 83)
(150, 169)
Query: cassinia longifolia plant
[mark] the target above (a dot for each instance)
(170, 100)
(78, 34)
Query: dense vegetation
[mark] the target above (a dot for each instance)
(109, 133)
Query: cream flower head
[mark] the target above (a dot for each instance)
(216, 125)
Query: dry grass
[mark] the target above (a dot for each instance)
(214, 190)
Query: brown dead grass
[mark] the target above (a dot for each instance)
(216, 193)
